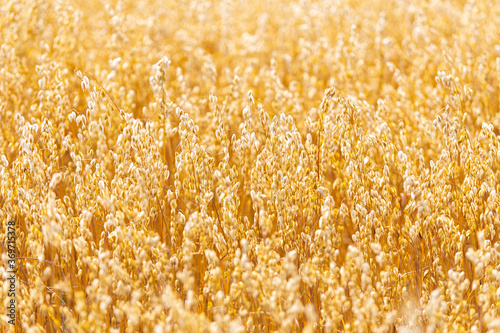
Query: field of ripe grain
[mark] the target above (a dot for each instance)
(250, 166)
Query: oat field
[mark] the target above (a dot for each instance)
(250, 166)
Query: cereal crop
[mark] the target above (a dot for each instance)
(250, 166)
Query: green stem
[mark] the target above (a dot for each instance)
(64, 304)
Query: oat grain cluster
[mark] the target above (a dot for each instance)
(251, 166)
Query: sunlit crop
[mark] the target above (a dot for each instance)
(250, 166)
